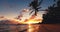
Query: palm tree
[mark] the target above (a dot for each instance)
(35, 5)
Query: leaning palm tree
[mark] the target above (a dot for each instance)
(35, 5)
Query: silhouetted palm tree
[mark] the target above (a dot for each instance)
(53, 15)
(35, 5)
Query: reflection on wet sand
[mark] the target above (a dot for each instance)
(30, 28)
(33, 28)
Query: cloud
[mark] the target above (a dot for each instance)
(2, 17)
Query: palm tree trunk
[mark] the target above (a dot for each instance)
(36, 13)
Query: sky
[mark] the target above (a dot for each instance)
(12, 8)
